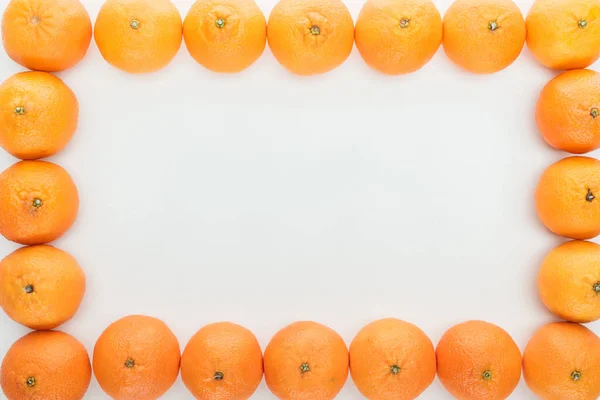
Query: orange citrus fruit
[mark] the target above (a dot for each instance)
(396, 36)
(46, 35)
(562, 361)
(566, 197)
(392, 360)
(136, 357)
(306, 361)
(564, 34)
(222, 361)
(41, 286)
(310, 37)
(569, 281)
(138, 36)
(38, 202)
(568, 111)
(39, 115)
(483, 36)
(46, 365)
(478, 361)
(225, 35)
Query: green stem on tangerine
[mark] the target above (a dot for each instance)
(134, 24)
(29, 289)
(576, 375)
(394, 369)
(487, 375)
(30, 381)
(129, 363)
(404, 22)
(589, 197)
(315, 30)
(220, 23)
(304, 368)
(20, 110)
(218, 376)
(37, 203)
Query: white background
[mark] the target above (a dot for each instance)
(264, 198)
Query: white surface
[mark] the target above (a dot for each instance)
(264, 198)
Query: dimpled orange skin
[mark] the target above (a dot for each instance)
(398, 37)
(41, 287)
(569, 281)
(566, 197)
(232, 47)
(136, 357)
(568, 111)
(39, 115)
(477, 360)
(562, 362)
(138, 36)
(306, 361)
(222, 361)
(38, 202)
(392, 360)
(46, 35)
(555, 37)
(483, 36)
(46, 365)
(310, 37)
